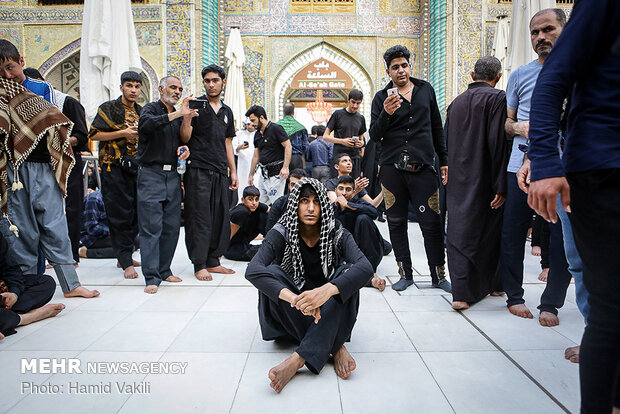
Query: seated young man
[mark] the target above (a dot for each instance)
(247, 220)
(344, 166)
(357, 215)
(22, 299)
(95, 234)
(278, 206)
(309, 272)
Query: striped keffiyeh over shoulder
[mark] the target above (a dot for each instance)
(25, 119)
(329, 234)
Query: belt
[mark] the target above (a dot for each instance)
(165, 167)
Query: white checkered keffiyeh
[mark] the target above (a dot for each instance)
(292, 263)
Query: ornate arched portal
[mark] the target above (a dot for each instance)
(69, 55)
(283, 80)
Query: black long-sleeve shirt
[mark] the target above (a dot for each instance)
(10, 272)
(416, 126)
(159, 137)
(272, 252)
(75, 112)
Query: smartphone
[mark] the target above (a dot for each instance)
(393, 91)
(355, 138)
(246, 143)
(198, 103)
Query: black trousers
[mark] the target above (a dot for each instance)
(517, 219)
(540, 238)
(120, 197)
(73, 205)
(316, 341)
(595, 219)
(101, 249)
(241, 252)
(297, 161)
(367, 236)
(421, 188)
(38, 291)
(207, 218)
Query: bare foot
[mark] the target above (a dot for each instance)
(151, 289)
(45, 311)
(83, 292)
(543, 275)
(130, 273)
(497, 293)
(615, 410)
(1, 336)
(378, 283)
(135, 264)
(536, 251)
(281, 374)
(203, 274)
(82, 252)
(220, 269)
(49, 266)
(173, 278)
(458, 305)
(521, 311)
(572, 354)
(548, 319)
(75, 265)
(344, 363)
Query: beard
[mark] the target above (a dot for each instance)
(170, 99)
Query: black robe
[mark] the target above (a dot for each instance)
(478, 153)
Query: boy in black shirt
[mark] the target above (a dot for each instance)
(247, 220)
(348, 126)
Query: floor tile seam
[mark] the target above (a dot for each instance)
(422, 359)
(516, 364)
(564, 336)
(245, 364)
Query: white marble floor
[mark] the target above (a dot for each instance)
(414, 353)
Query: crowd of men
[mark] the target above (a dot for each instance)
(313, 244)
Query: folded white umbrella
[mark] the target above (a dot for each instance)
(109, 47)
(235, 91)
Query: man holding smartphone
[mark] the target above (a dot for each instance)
(408, 124)
(348, 126)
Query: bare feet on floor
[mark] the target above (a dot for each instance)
(543, 275)
(83, 292)
(130, 273)
(281, 374)
(173, 279)
(344, 363)
(135, 264)
(572, 354)
(152, 289)
(497, 293)
(82, 252)
(46, 311)
(521, 311)
(378, 283)
(536, 251)
(220, 269)
(458, 305)
(203, 274)
(1, 336)
(548, 319)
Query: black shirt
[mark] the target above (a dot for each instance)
(207, 146)
(74, 110)
(159, 138)
(332, 183)
(269, 143)
(416, 125)
(346, 125)
(311, 259)
(247, 221)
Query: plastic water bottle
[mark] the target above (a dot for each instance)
(181, 164)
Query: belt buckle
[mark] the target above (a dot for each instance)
(166, 167)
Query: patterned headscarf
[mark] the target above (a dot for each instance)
(26, 119)
(292, 263)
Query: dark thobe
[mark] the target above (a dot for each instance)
(207, 219)
(159, 191)
(278, 320)
(478, 152)
(32, 292)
